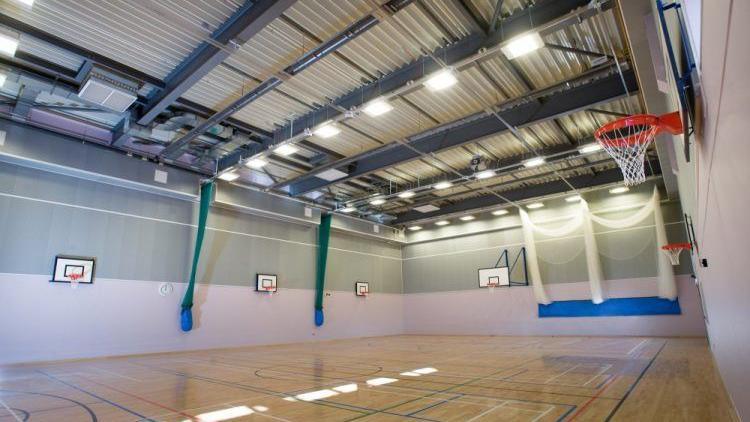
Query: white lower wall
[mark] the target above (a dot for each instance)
(40, 320)
(513, 311)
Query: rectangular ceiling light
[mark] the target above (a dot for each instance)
(426, 208)
(467, 218)
(442, 223)
(588, 149)
(285, 150)
(574, 198)
(441, 80)
(8, 43)
(443, 185)
(377, 201)
(229, 176)
(538, 161)
(535, 205)
(619, 189)
(415, 228)
(522, 45)
(377, 108)
(407, 194)
(347, 210)
(331, 175)
(256, 163)
(327, 130)
(499, 212)
(485, 174)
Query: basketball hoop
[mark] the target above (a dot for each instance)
(74, 277)
(628, 139)
(492, 284)
(673, 251)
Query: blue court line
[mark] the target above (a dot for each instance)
(96, 396)
(632, 386)
(629, 306)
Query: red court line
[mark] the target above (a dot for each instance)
(591, 400)
(142, 398)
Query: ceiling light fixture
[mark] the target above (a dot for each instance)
(415, 228)
(538, 161)
(229, 176)
(499, 212)
(256, 163)
(619, 189)
(589, 148)
(574, 198)
(485, 174)
(3, 77)
(377, 201)
(327, 130)
(443, 185)
(442, 223)
(8, 43)
(535, 205)
(285, 150)
(522, 45)
(347, 210)
(407, 194)
(441, 80)
(377, 108)
(467, 218)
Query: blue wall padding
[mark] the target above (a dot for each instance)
(628, 306)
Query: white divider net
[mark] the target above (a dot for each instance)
(667, 288)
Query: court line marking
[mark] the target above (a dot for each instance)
(488, 411)
(11, 411)
(633, 385)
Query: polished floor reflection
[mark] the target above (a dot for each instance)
(428, 378)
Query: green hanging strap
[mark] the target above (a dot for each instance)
(324, 233)
(186, 314)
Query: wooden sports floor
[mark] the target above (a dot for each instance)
(401, 378)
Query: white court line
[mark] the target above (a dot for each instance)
(562, 373)
(636, 347)
(488, 411)
(11, 411)
(543, 414)
(604, 369)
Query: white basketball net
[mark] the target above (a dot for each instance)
(674, 255)
(628, 146)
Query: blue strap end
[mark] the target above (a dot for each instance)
(186, 319)
(318, 317)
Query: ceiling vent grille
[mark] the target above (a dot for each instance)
(109, 90)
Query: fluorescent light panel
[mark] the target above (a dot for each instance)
(285, 150)
(256, 163)
(377, 201)
(467, 218)
(443, 185)
(592, 147)
(574, 198)
(442, 223)
(377, 108)
(619, 189)
(538, 161)
(348, 209)
(522, 45)
(415, 228)
(229, 176)
(327, 130)
(426, 208)
(407, 194)
(441, 80)
(485, 174)
(535, 205)
(499, 212)
(331, 175)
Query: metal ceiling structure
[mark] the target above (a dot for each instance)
(225, 84)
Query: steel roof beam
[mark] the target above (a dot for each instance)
(174, 150)
(473, 128)
(246, 22)
(521, 194)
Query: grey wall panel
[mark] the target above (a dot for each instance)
(137, 235)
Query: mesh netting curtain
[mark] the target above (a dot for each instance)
(666, 284)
